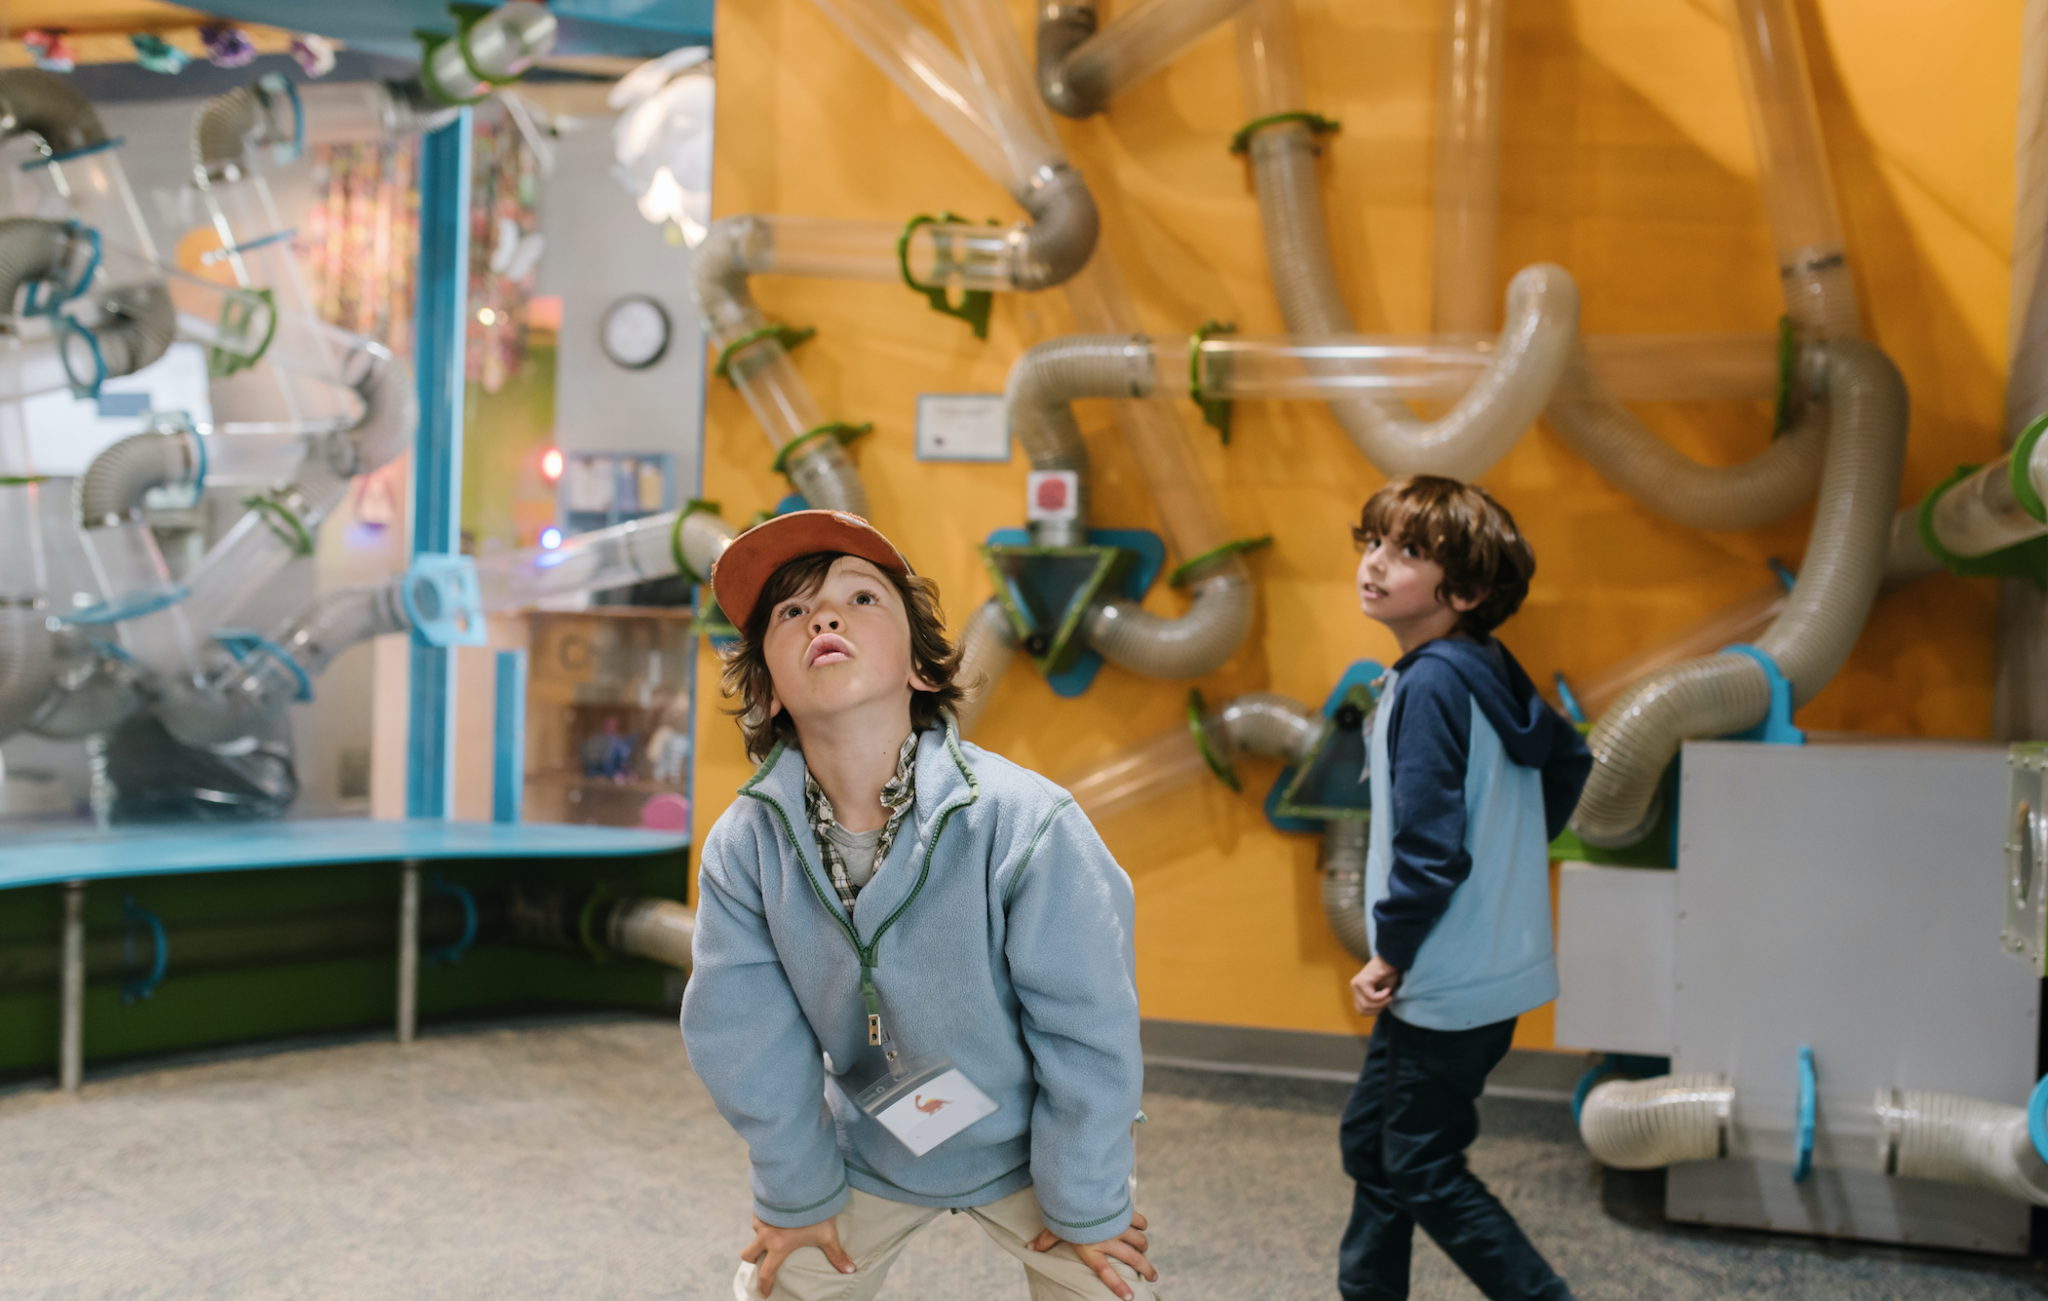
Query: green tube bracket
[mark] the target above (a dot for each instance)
(1788, 365)
(283, 521)
(1225, 772)
(789, 336)
(2028, 560)
(974, 305)
(1215, 411)
(22, 480)
(1188, 568)
(675, 536)
(838, 429)
(2017, 469)
(1317, 125)
(235, 311)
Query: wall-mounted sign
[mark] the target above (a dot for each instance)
(962, 427)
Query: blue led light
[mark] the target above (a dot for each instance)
(551, 537)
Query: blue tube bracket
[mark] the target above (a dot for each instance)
(450, 954)
(444, 601)
(134, 915)
(1803, 1131)
(1776, 727)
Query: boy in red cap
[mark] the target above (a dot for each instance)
(913, 984)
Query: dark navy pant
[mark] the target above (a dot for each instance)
(1405, 1132)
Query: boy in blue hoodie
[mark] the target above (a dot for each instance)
(1472, 776)
(913, 985)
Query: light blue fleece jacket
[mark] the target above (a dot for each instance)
(999, 934)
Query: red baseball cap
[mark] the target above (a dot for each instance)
(738, 576)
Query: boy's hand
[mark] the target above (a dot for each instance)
(1129, 1247)
(771, 1246)
(1373, 987)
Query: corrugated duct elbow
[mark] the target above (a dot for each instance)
(1197, 643)
(391, 405)
(1809, 640)
(45, 105)
(1042, 386)
(112, 487)
(987, 644)
(26, 661)
(1531, 354)
(1064, 226)
(1265, 722)
(341, 619)
(1628, 455)
(1961, 1140)
(1344, 848)
(139, 324)
(32, 248)
(1643, 1124)
(1062, 27)
(228, 126)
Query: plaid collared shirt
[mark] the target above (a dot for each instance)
(898, 793)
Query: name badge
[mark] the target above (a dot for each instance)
(923, 1102)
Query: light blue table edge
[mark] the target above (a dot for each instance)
(45, 857)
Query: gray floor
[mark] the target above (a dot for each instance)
(583, 1160)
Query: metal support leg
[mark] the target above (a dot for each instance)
(71, 1000)
(409, 953)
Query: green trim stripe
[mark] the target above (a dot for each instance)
(799, 1210)
(1317, 125)
(1017, 876)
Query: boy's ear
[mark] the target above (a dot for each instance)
(774, 704)
(1467, 604)
(918, 681)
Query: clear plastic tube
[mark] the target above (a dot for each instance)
(1978, 514)
(931, 74)
(1799, 193)
(94, 189)
(1010, 96)
(1140, 42)
(1270, 60)
(957, 254)
(1668, 368)
(35, 364)
(254, 459)
(1467, 180)
(1139, 773)
(619, 556)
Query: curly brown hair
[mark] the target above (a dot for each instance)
(932, 653)
(1461, 527)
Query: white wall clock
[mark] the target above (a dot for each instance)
(635, 332)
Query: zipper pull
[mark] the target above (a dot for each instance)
(870, 996)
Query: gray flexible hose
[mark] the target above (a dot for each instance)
(1643, 1124)
(112, 487)
(1264, 722)
(1344, 848)
(341, 619)
(391, 405)
(1042, 386)
(1845, 560)
(45, 105)
(1532, 352)
(1712, 498)
(31, 248)
(1961, 1140)
(139, 324)
(26, 661)
(1061, 236)
(227, 126)
(1197, 643)
(987, 645)
(1062, 25)
(658, 929)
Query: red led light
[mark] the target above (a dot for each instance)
(551, 464)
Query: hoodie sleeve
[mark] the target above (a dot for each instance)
(750, 1044)
(1068, 941)
(1428, 742)
(1565, 771)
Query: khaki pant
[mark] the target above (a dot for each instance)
(874, 1232)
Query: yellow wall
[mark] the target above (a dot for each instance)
(1627, 161)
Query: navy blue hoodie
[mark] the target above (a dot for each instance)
(1473, 775)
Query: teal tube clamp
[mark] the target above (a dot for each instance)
(444, 601)
(1776, 727)
(450, 954)
(1803, 1133)
(2037, 1118)
(134, 916)
(244, 642)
